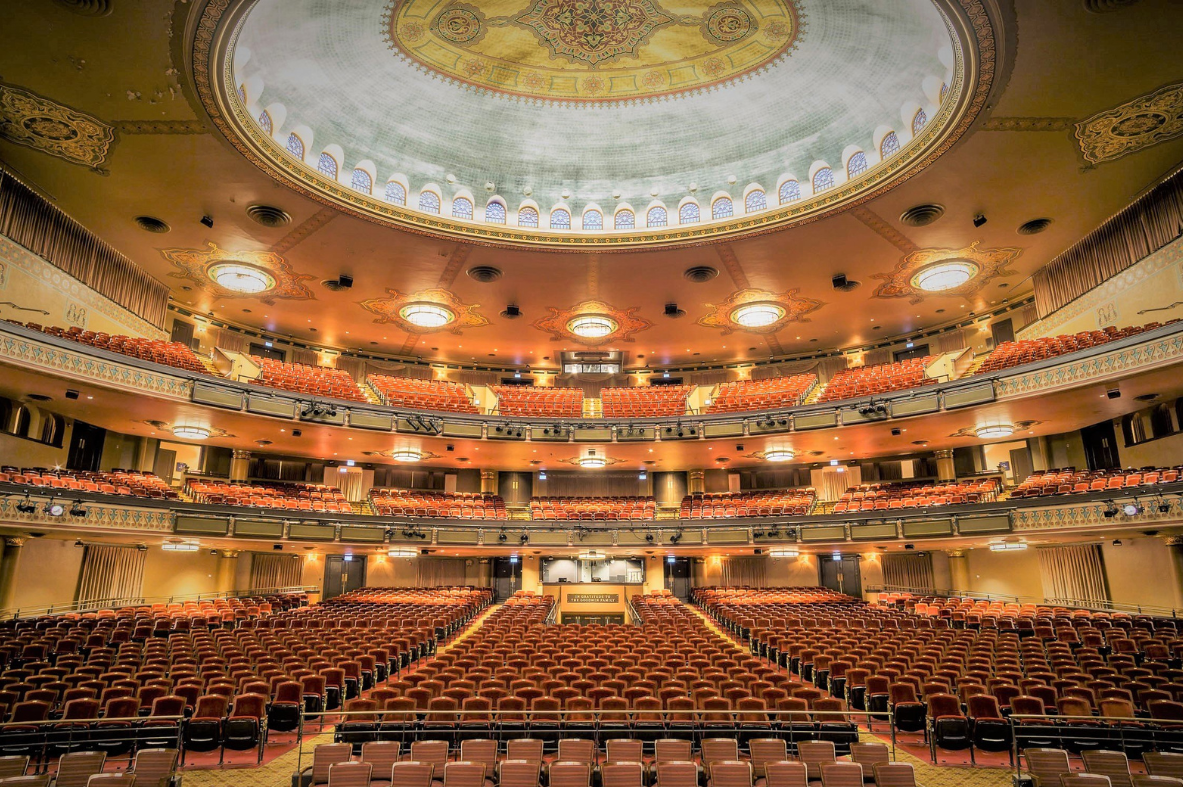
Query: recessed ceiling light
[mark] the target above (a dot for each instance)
(427, 315)
(944, 275)
(757, 315)
(592, 326)
(240, 277)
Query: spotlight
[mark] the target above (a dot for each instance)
(979, 220)
(208, 221)
(648, 538)
(296, 433)
(141, 547)
(1164, 506)
(1117, 542)
(79, 543)
(757, 534)
(502, 537)
(26, 506)
(77, 509)
(1113, 393)
(524, 539)
(1110, 509)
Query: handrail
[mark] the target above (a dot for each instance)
(91, 605)
(1092, 605)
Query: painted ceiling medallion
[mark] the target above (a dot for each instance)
(759, 311)
(45, 125)
(1132, 126)
(591, 323)
(938, 268)
(592, 50)
(244, 274)
(427, 311)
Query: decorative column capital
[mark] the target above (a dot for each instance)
(943, 453)
(241, 453)
(16, 542)
(231, 554)
(955, 552)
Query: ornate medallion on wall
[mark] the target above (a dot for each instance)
(592, 323)
(759, 311)
(1132, 126)
(45, 125)
(948, 272)
(426, 311)
(243, 274)
(1017, 426)
(165, 426)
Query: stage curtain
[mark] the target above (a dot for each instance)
(908, 571)
(232, 341)
(439, 572)
(744, 571)
(111, 576)
(275, 571)
(1073, 574)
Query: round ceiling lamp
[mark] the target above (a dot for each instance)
(400, 552)
(592, 326)
(783, 552)
(757, 315)
(592, 462)
(994, 431)
(592, 554)
(180, 546)
(191, 432)
(240, 277)
(778, 455)
(406, 455)
(944, 275)
(427, 315)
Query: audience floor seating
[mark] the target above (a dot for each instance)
(746, 395)
(593, 508)
(1070, 481)
(728, 505)
(886, 497)
(1010, 354)
(309, 380)
(421, 503)
(645, 401)
(117, 482)
(291, 497)
(527, 401)
(872, 380)
(158, 351)
(441, 395)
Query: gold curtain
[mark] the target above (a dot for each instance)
(52, 235)
(439, 572)
(232, 341)
(947, 342)
(275, 571)
(908, 571)
(111, 576)
(744, 571)
(1073, 574)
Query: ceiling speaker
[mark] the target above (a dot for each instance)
(843, 284)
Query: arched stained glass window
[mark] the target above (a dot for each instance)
(527, 217)
(327, 165)
(890, 145)
(823, 179)
(265, 121)
(296, 146)
(361, 181)
(919, 121)
(689, 214)
(625, 220)
(790, 191)
(756, 200)
(429, 202)
(593, 220)
(857, 165)
(242, 93)
(462, 208)
(944, 92)
(722, 208)
(396, 193)
(560, 219)
(657, 217)
(495, 213)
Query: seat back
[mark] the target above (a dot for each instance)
(895, 774)
(155, 767)
(411, 774)
(842, 774)
(350, 774)
(673, 773)
(570, 774)
(732, 773)
(462, 773)
(519, 773)
(786, 774)
(622, 774)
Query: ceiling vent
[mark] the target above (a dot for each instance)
(484, 273)
(268, 215)
(701, 273)
(922, 215)
(1034, 227)
(87, 7)
(843, 284)
(152, 224)
(1106, 6)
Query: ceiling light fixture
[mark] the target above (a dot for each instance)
(992, 431)
(239, 277)
(406, 455)
(944, 275)
(592, 462)
(180, 546)
(778, 455)
(191, 432)
(1008, 546)
(592, 554)
(400, 552)
(783, 553)
(757, 315)
(592, 326)
(427, 315)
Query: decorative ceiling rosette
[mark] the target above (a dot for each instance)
(759, 311)
(426, 311)
(592, 323)
(165, 426)
(264, 274)
(1018, 426)
(391, 453)
(974, 267)
(599, 459)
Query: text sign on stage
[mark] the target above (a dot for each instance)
(593, 598)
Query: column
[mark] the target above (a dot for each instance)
(226, 573)
(8, 565)
(958, 569)
(489, 482)
(240, 465)
(945, 467)
(695, 482)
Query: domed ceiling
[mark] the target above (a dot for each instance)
(594, 122)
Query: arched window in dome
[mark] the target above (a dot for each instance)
(944, 91)
(242, 94)
(495, 213)
(657, 217)
(790, 191)
(625, 220)
(919, 121)
(429, 202)
(593, 220)
(857, 165)
(527, 217)
(560, 219)
(361, 181)
(689, 213)
(462, 208)
(265, 121)
(755, 200)
(722, 208)
(889, 146)
(396, 193)
(327, 165)
(823, 179)
(296, 146)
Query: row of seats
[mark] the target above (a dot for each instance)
(769, 394)
(1070, 481)
(884, 497)
(1011, 354)
(134, 483)
(646, 401)
(1051, 767)
(158, 351)
(292, 497)
(880, 379)
(150, 766)
(527, 401)
(593, 508)
(415, 502)
(309, 380)
(442, 395)
(765, 502)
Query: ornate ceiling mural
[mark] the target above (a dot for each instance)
(759, 311)
(1132, 126)
(591, 50)
(982, 265)
(62, 132)
(445, 308)
(610, 324)
(200, 265)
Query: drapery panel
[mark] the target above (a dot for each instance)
(232, 341)
(351, 482)
(275, 571)
(113, 575)
(306, 357)
(439, 572)
(43, 229)
(1073, 574)
(599, 484)
(947, 342)
(829, 484)
(908, 571)
(744, 571)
